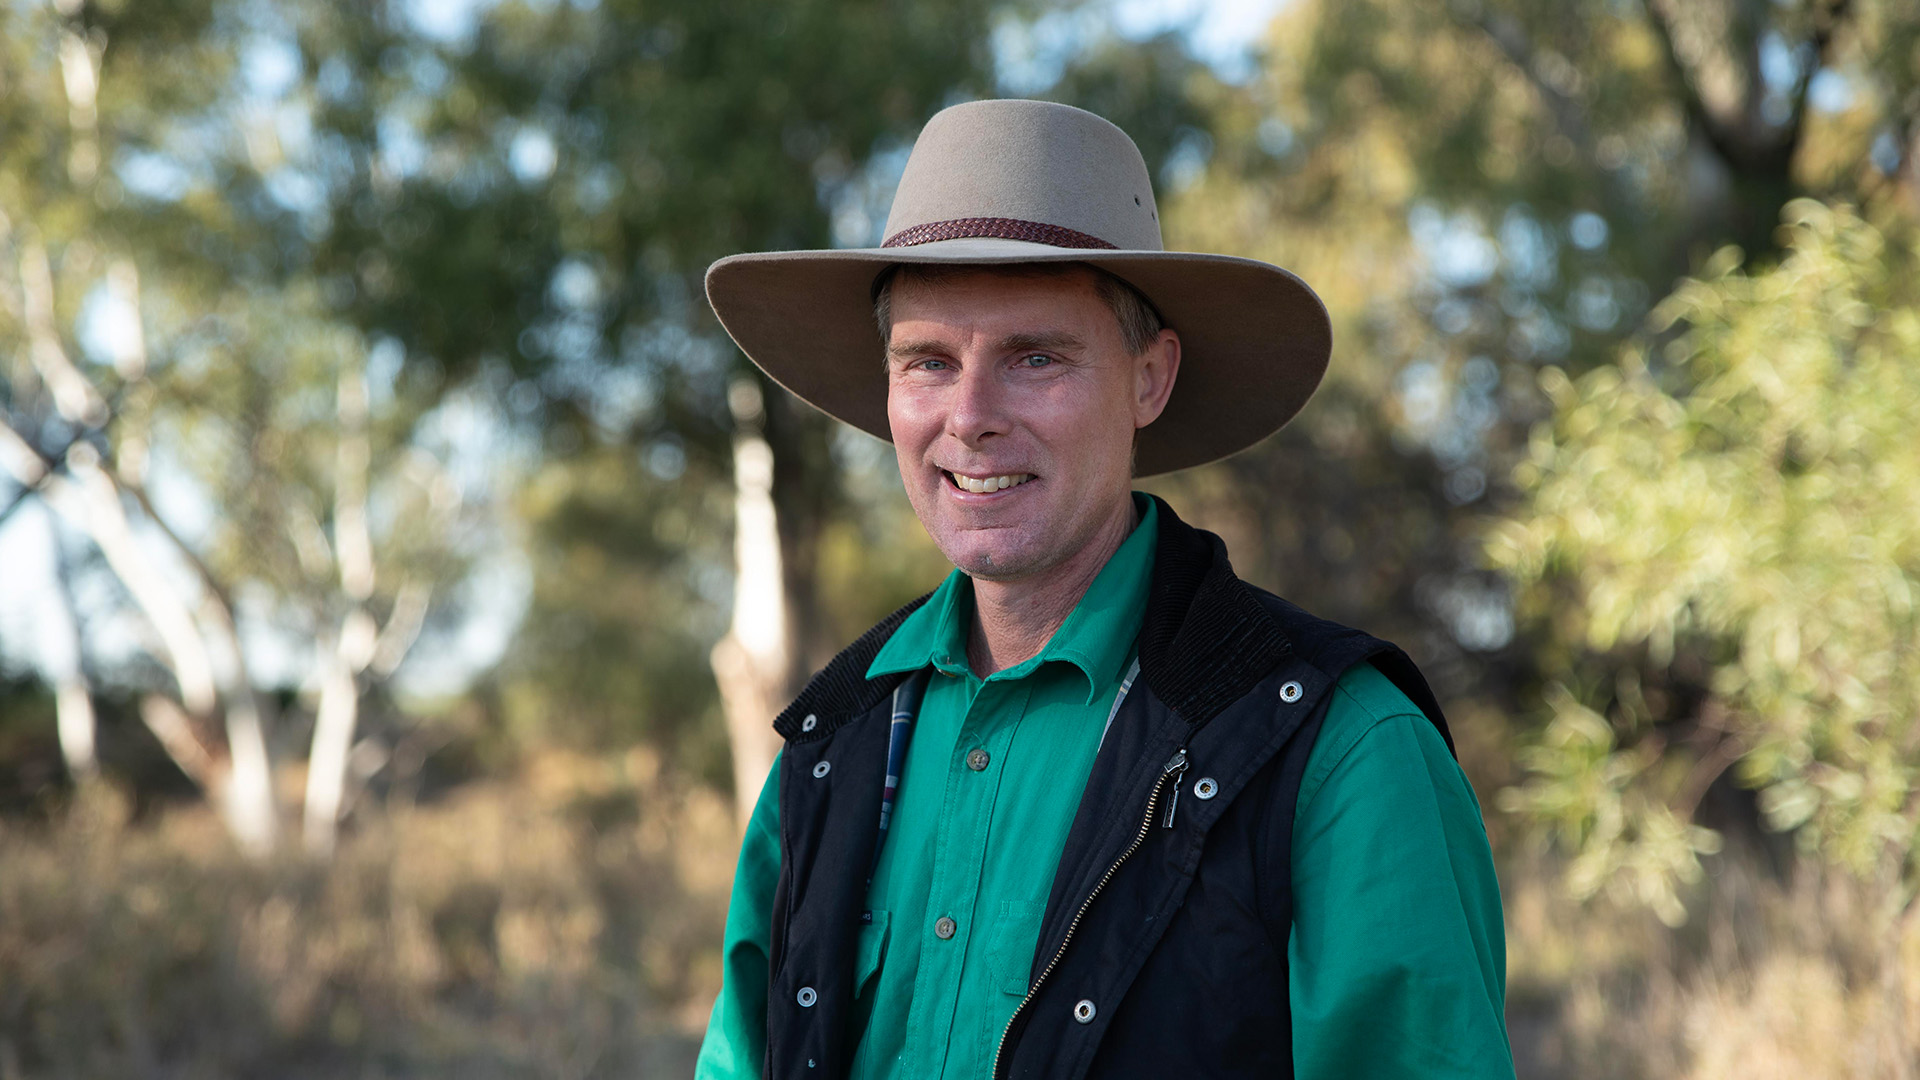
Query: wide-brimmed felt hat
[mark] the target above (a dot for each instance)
(995, 182)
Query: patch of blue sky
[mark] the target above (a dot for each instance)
(532, 154)
(1031, 55)
(575, 285)
(385, 357)
(1780, 63)
(277, 638)
(36, 630)
(296, 190)
(152, 175)
(857, 205)
(1187, 162)
(1588, 230)
(293, 126)
(1830, 91)
(178, 497)
(1456, 246)
(400, 148)
(445, 22)
(269, 66)
(108, 327)
(1224, 34)
(1530, 257)
(491, 602)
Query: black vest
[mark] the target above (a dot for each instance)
(1163, 950)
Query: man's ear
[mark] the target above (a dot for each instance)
(1153, 375)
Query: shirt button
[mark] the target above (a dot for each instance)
(943, 928)
(977, 759)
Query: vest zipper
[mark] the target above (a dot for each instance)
(1175, 766)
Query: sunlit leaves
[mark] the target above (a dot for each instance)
(1753, 488)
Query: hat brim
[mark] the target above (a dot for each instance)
(1255, 339)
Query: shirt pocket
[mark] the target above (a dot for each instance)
(869, 953)
(1016, 932)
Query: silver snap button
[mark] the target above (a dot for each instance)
(1205, 788)
(810, 722)
(1084, 1012)
(807, 997)
(820, 770)
(1290, 691)
(977, 759)
(944, 927)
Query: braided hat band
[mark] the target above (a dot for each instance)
(998, 228)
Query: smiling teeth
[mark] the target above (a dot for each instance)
(991, 483)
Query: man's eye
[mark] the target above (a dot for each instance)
(933, 365)
(1036, 360)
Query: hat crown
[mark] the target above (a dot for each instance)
(1027, 163)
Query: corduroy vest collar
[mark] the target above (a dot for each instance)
(1205, 640)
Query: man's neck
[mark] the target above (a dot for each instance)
(1013, 620)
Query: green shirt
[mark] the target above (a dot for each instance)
(1397, 959)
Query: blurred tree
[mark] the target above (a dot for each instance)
(234, 390)
(57, 418)
(1746, 497)
(502, 211)
(532, 199)
(1480, 190)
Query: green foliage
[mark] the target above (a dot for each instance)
(618, 644)
(1479, 187)
(1748, 498)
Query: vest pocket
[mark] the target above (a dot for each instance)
(1016, 932)
(869, 953)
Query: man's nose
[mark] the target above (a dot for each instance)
(977, 408)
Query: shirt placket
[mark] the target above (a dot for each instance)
(974, 767)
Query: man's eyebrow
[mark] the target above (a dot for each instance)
(898, 349)
(1054, 340)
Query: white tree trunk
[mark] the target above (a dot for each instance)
(73, 715)
(339, 711)
(72, 697)
(184, 650)
(333, 726)
(244, 787)
(751, 662)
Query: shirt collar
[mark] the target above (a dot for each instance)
(1097, 638)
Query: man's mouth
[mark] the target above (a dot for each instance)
(984, 485)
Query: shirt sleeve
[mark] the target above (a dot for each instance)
(735, 1047)
(1397, 957)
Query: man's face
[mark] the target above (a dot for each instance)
(1022, 385)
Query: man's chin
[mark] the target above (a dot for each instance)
(998, 562)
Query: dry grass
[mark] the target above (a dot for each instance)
(563, 923)
(1805, 980)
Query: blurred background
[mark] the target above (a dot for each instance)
(399, 567)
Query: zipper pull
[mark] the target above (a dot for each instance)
(1176, 768)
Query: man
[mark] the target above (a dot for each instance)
(1095, 807)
